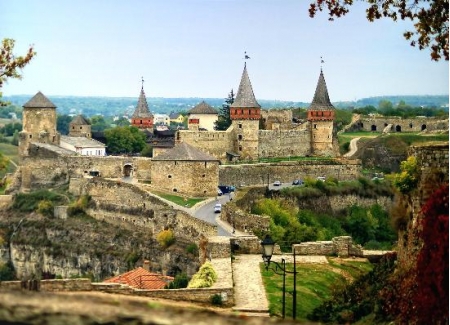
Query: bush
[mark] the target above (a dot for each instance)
(79, 206)
(46, 208)
(28, 202)
(7, 272)
(216, 300)
(180, 281)
(166, 238)
(192, 249)
(204, 278)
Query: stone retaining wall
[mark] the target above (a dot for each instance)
(341, 246)
(267, 173)
(202, 295)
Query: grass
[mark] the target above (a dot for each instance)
(315, 284)
(180, 200)
(12, 153)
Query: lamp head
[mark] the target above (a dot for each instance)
(268, 245)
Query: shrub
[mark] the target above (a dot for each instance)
(7, 272)
(204, 278)
(180, 281)
(28, 202)
(79, 206)
(408, 178)
(166, 238)
(192, 249)
(46, 207)
(216, 300)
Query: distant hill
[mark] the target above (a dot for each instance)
(111, 106)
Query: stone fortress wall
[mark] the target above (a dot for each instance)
(121, 203)
(378, 124)
(215, 143)
(266, 173)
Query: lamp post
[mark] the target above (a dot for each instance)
(268, 245)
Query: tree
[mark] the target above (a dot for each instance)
(10, 65)
(430, 19)
(125, 140)
(98, 123)
(224, 120)
(62, 123)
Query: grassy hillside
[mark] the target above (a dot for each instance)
(315, 284)
(10, 152)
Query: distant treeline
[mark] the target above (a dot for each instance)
(119, 106)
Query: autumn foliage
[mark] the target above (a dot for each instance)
(431, 296)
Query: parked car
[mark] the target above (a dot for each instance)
(297, 182)
(219, 192)
(218, 208)
(277, 183)
(321, 178)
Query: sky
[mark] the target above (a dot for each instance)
(195, 48)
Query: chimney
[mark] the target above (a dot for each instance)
(146, 265)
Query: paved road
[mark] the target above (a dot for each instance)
(206, 213)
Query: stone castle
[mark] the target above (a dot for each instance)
(257, 134)
(253, 134)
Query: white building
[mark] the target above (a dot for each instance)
(202, 116)
(83, 146)
(161, 119)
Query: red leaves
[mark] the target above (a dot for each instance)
(431, 297)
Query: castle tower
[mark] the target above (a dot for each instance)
(80, 127)
(245, 113)
(142, 118)
(321, 114)
(39, 123)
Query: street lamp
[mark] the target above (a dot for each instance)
(268, 245)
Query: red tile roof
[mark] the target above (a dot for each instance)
(140, 278)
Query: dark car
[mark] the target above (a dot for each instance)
(297, 182)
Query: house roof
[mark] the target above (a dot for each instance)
(82, 142)
(184, 151)
(202, 108)
(175, 115)
(39, 101)
(245, 96)
(142, 110)
(80, 120)
(321, 100)
(140, 278)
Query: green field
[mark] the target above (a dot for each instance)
(11, 152)
(315, 284)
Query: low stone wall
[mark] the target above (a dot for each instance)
(243, 221)
(55, 285)
(246, 245)
(341, 246)
(202, 295)
(218, 247)
(5, 200)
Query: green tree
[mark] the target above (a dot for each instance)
(15, 138)
(11, 65)
(62, 123)
(407, 179)
(430, 19)
(125, 140)
(122, 121)
(98, 123)
(224, 120)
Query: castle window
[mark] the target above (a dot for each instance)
(73, 128)
(175, 190)
(315, 126)
(410, 125)
(240, 148)
(239, 136)
(175, 163)
(240, 125)
(169, 176)
(81, 128)
(30, 136)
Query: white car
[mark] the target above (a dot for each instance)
(218, 208)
